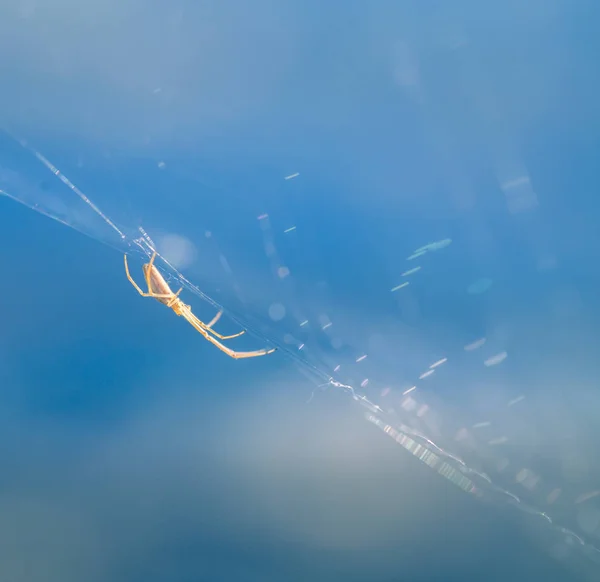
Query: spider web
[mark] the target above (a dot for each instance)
(486, 456)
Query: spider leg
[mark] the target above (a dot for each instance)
(214, 319)
(151, 263)
(131, 278)
(193, 320)
(189, 315)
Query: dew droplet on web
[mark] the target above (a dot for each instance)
(438, 363)
(401, 286)
(324, 319)
(442, 244)
(475, 345)
(411, 271)
(498, 441)
(495, 360)
(516, 400)
(483, 424)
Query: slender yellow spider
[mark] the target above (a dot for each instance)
(159, 289)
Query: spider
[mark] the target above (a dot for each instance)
(159, 289)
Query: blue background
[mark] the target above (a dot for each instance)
(133, 450)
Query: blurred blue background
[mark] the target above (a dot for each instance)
(134, 450)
